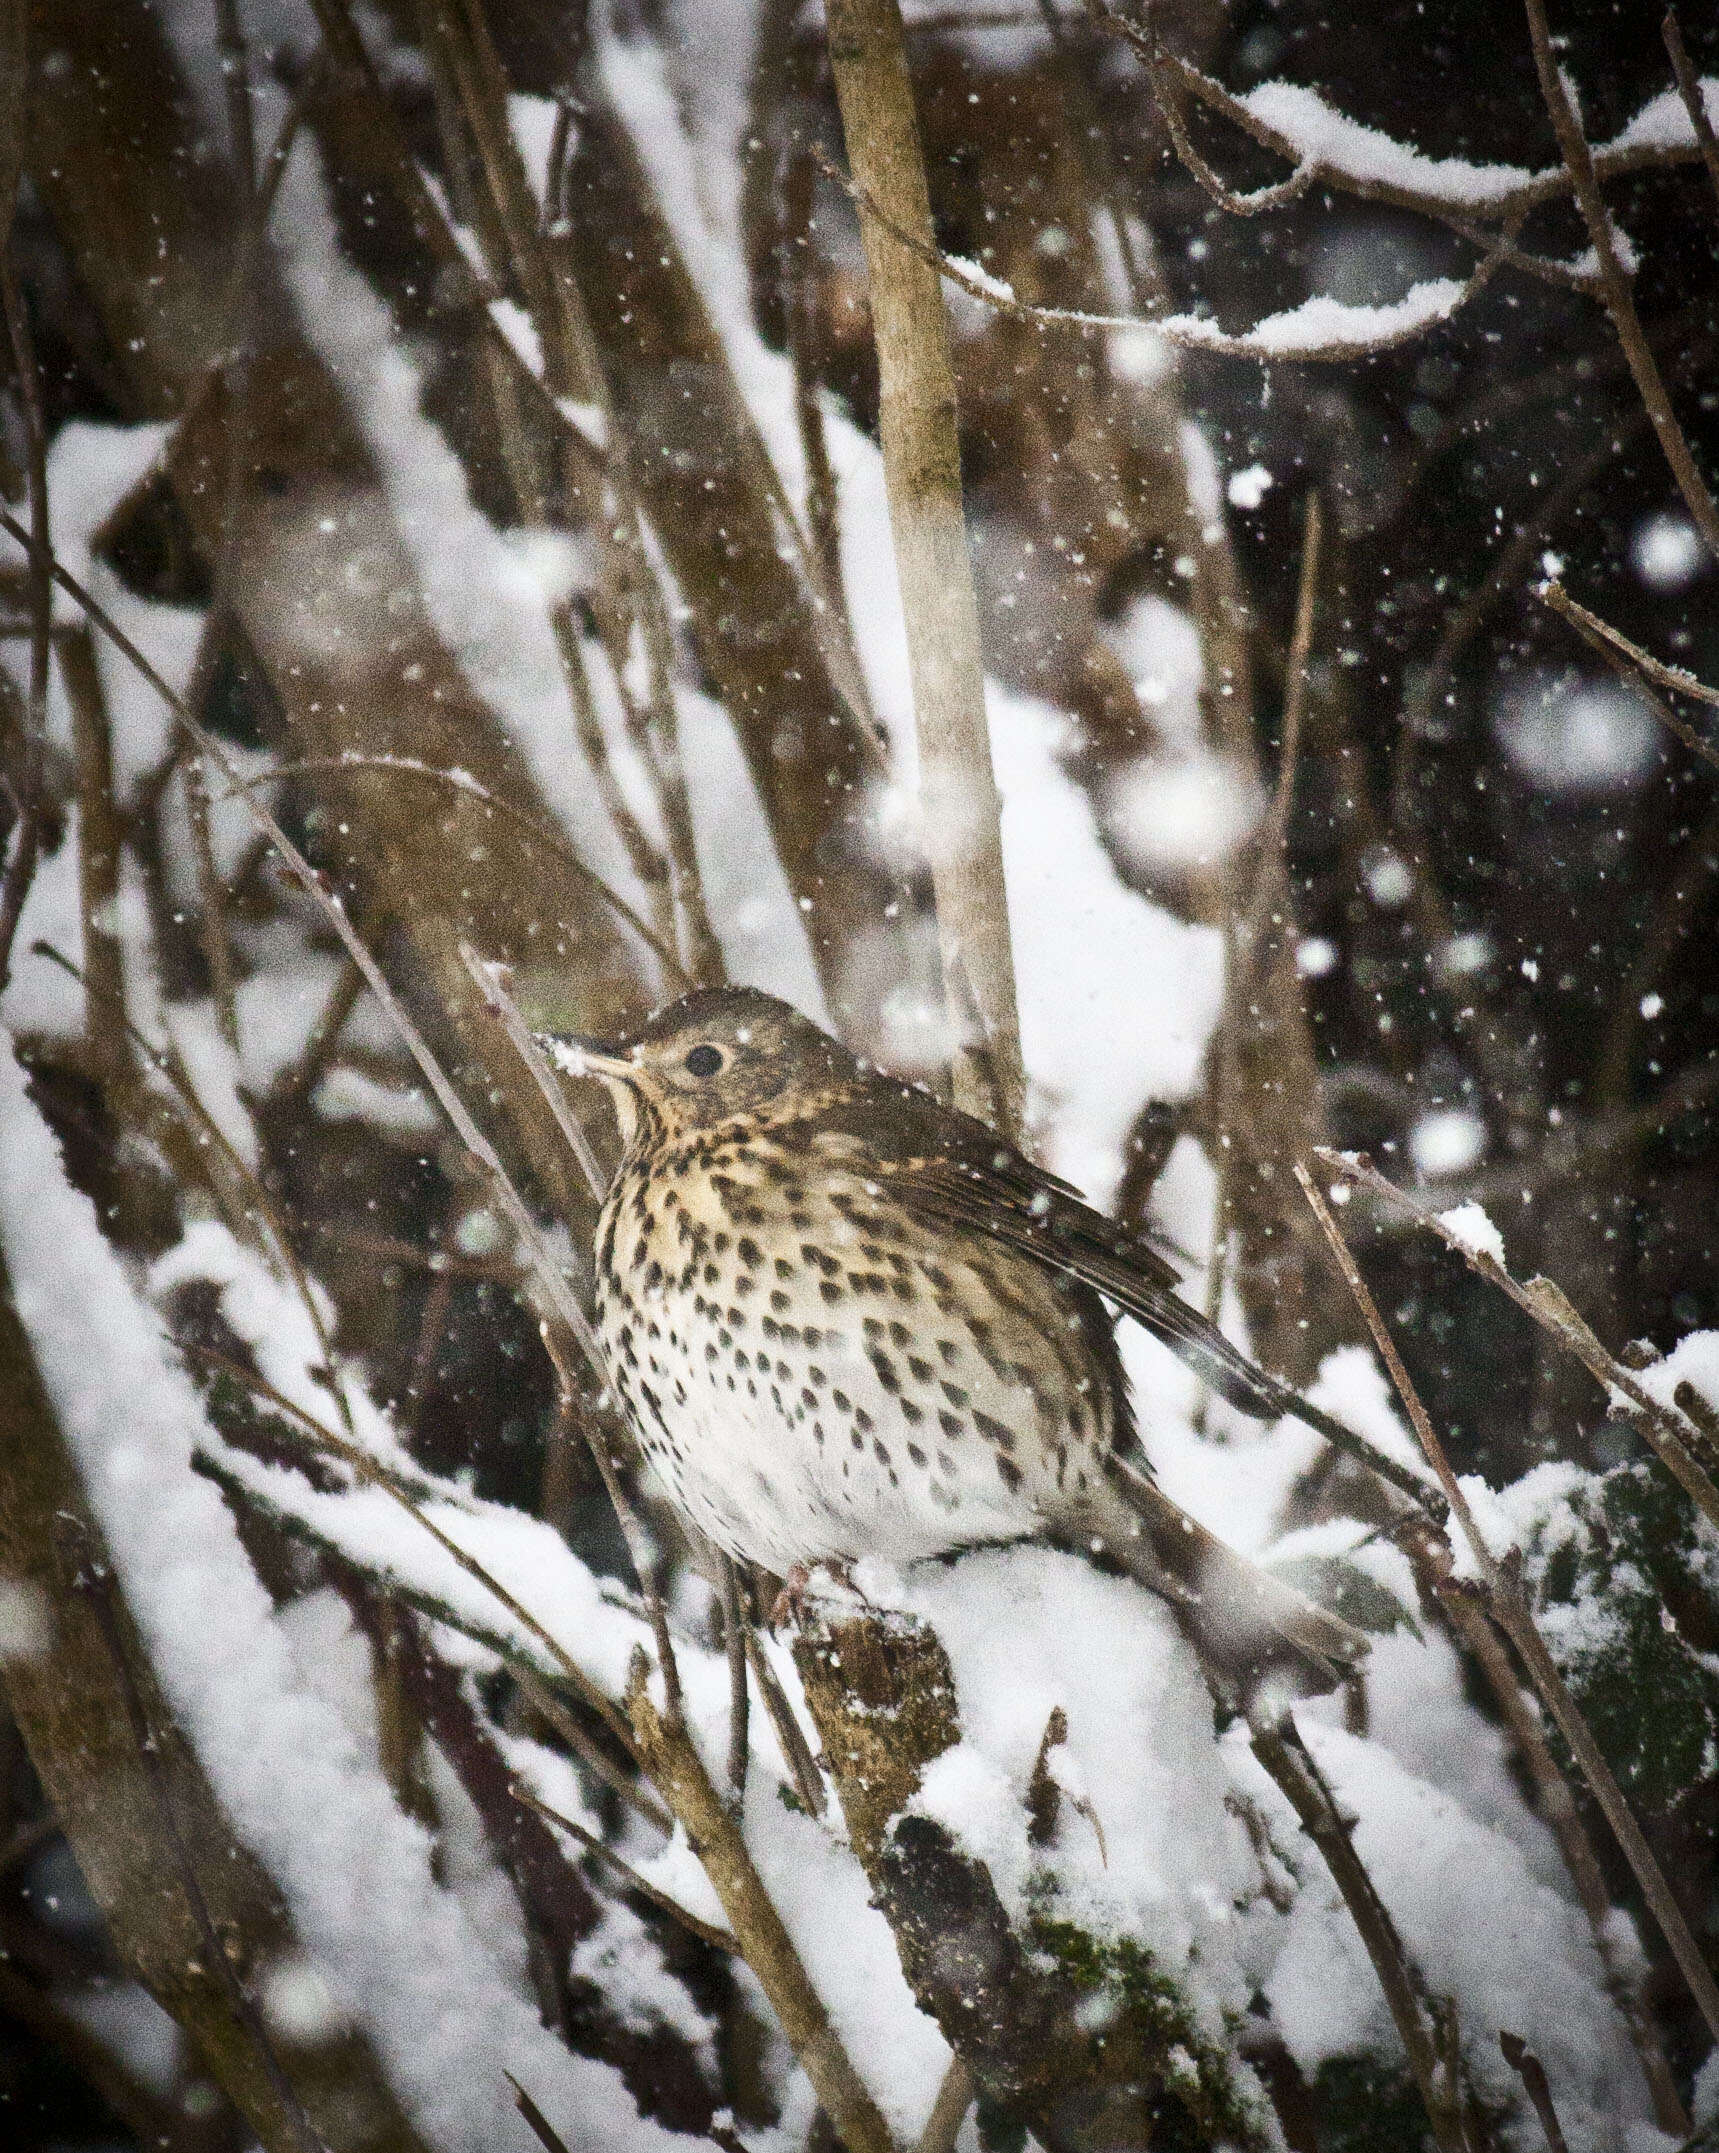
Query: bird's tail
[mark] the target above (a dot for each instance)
(1250, 1629)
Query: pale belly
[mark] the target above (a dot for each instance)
(814, 1397)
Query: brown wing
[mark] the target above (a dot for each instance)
(950, 1170)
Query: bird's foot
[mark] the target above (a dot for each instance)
(791, 1600)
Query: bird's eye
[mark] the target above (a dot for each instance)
(704, 1061)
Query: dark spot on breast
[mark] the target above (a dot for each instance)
(862, 1420)
(784, 1269)
(917, 1455)
(921, 1369)
(1010, 1475)
(745, 1283)
(886, 1374)
(879, 1452)
(831, 1294)
(854, 1436)
(950, 1424)
(993, 1431)
(911, 1413)
(843, 1403)
(749, 1253)
(778, 1300)
(900, 1333)
(950, 1351)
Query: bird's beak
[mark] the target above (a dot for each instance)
(578, 1056)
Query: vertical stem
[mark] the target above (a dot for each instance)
(922, 471)
(1614, 279)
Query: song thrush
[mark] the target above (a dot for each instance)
(845, 1320)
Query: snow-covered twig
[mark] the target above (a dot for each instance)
(704, 1930)
(1296, 124)
(1319, 330)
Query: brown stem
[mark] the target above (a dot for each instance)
(1557, 1808)
(922, 472)
(1508, 1606)
(1614, 278)
(1542, 1300)
(1689, 89)
(1283, 1754)
(679, 1775)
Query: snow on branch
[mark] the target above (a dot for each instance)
(1297, 124)
(1319, 329)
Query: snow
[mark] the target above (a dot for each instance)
(1449, 1140)
(1513, 1950)
(1319, 134)
(1248, 488)
(1326, 328)
(1094, 1059)
(1469, 1226)
(1322, 135)
(400, 1955)
(485, 596)
(1666, 551)
(398, 1110)
(1575, 735)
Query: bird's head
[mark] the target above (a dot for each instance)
(722, 1054)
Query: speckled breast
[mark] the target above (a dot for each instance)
(816, 1376)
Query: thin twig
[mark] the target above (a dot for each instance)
(1508, 1606)
(378, 1476)
(21, 870)
(1272, 860)
(1556, 1805)
(462, 781)
(1667, 676)
(623, 1868)
(734, 1643)
(1614, 278)
(1188, 331)
(790, 1735)
(949, 2110)
(1285, 1756)
(543, 1266)
(678, 1771)
(493, 982)
(1543, 1301)
(1532, 2072)
(1689, 89)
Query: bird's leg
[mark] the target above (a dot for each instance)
(791, 1600)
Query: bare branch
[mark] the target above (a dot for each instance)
(1689, 89)
(1620, 301)
(922, 470)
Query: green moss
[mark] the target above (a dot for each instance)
(1626, 1578)
(1124, 1997)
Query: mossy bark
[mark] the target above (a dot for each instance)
(1083, 2039)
